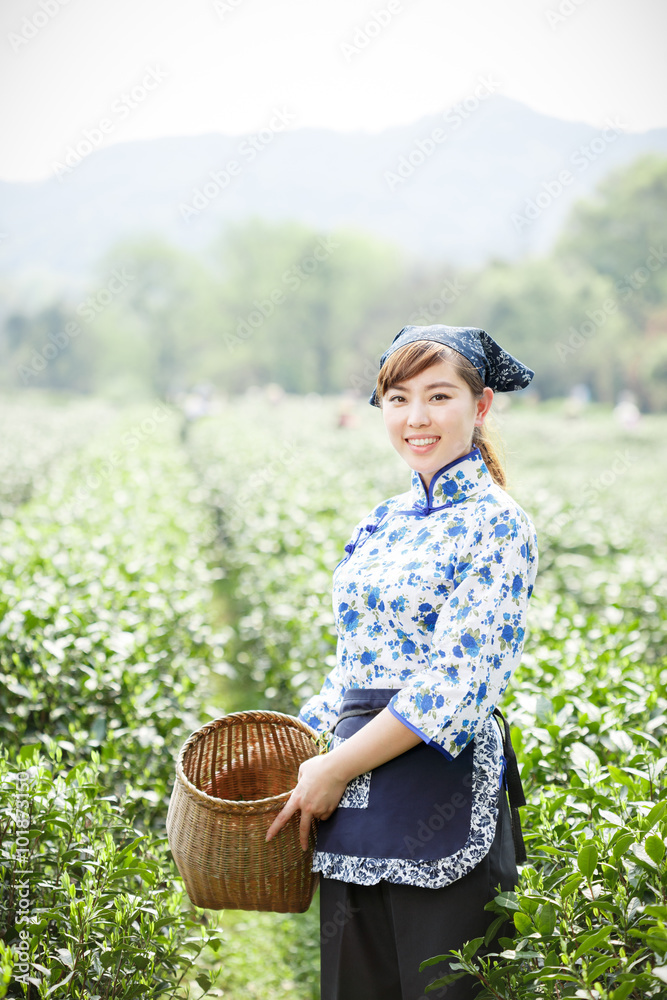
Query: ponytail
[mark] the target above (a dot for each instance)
(486, 439)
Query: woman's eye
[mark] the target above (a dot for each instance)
(396, 399)
(440, 395)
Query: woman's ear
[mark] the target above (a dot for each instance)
(483, 405)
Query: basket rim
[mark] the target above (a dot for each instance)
(236, 805)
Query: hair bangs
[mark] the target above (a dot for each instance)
(415, 358)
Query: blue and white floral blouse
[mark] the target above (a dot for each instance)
(430, 599)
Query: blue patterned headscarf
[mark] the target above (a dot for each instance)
(498, 369)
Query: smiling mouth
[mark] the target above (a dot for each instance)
(422, 442)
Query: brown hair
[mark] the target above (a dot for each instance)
(415, 358)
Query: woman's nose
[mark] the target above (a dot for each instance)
(418, 415)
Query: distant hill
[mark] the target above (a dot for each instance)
(454, 187)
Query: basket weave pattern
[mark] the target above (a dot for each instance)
(233, 776)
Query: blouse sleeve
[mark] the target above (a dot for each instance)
(321, 711)
(478, 634)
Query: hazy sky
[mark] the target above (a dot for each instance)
(151, 68)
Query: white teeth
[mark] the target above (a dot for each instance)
(419, 442)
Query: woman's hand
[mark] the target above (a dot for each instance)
(323, 779)
(318, 792)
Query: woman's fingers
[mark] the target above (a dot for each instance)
(316, 795)
(282, 818)
(304, 829)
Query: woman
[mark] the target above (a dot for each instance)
(430, 602)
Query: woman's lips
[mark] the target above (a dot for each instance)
(422, 444)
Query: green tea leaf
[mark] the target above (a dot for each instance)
(655, 848)
(623, 991)
(583, 757)
(592, 940)
(523, 923)
(570, 885)
(655, 815)
(622, 844)
(546, 919)
(587, 860)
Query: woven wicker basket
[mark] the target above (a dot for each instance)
(233, 777)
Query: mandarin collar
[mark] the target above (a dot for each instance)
(451, 484)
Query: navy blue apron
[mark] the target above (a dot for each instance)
(417, 805)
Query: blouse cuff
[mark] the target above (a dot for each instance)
(423, 736)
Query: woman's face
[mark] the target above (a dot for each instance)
(430, 418)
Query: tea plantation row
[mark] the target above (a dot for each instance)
(103, 644)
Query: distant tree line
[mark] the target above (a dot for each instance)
(312, 311)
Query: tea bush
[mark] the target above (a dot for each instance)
(91, 909)
(104, 656)
(35, 434)
(103, 639)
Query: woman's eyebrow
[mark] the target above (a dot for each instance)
(431, 385)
